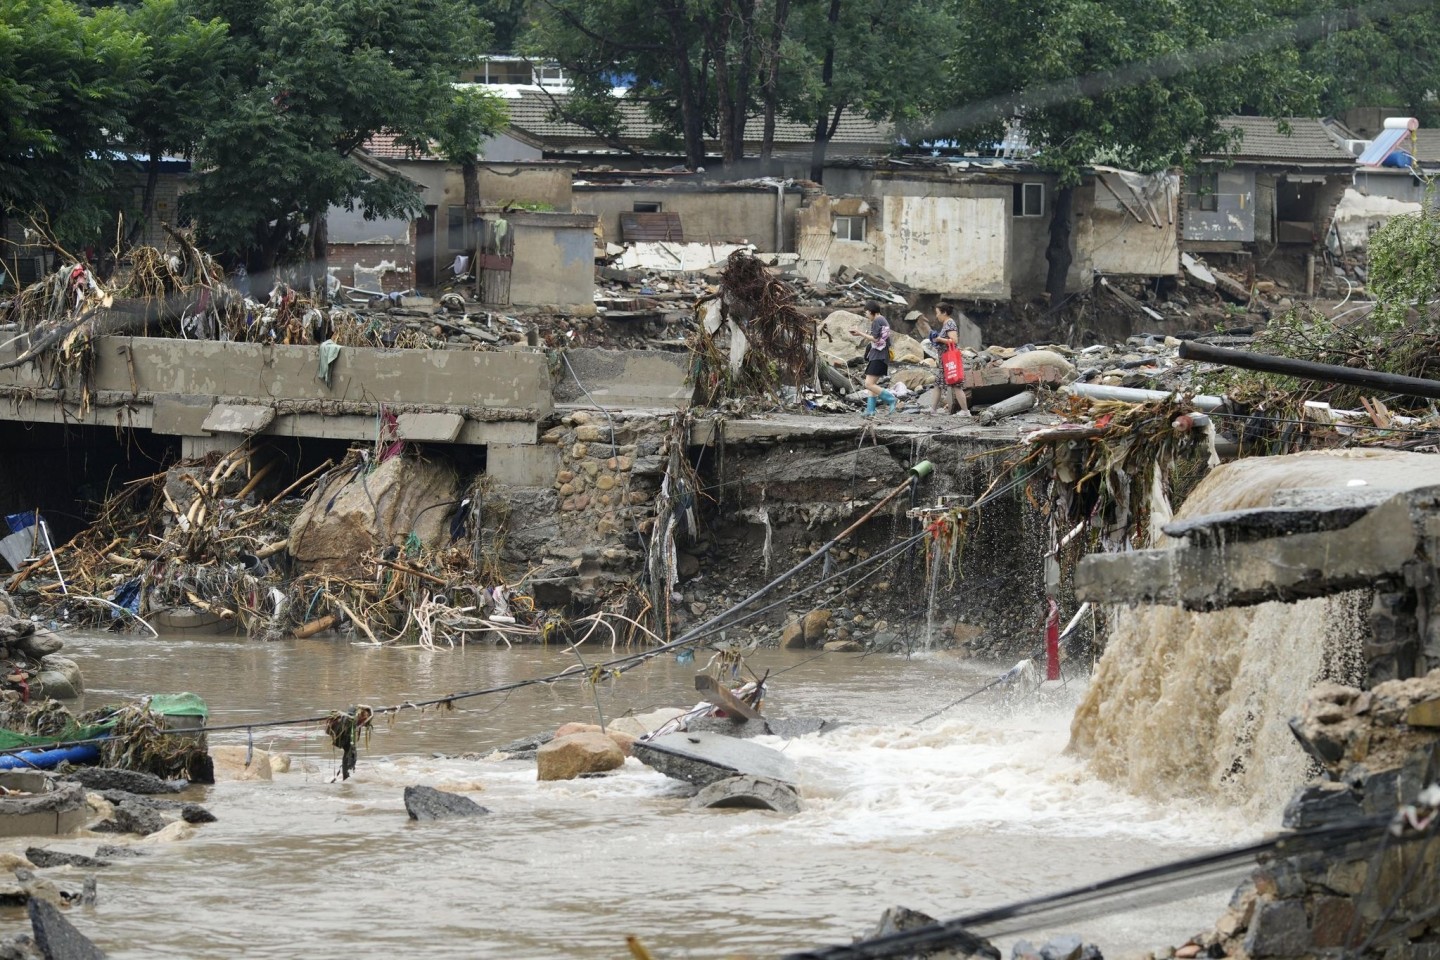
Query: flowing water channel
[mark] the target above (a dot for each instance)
(979, 807)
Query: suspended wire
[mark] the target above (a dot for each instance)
(1079, 902)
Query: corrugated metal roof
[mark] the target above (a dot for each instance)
(530, 111)
(1262, 141)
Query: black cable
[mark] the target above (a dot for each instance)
(964, 930)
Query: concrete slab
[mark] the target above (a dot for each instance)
(1300, 565)
(706, 758)
(181, 415)
(431, 427)
(247, 419)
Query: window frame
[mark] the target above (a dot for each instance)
(647, 206)
(1205, 193)
(850, 222)
(1019, 202)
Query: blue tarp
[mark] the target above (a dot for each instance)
(20, 522)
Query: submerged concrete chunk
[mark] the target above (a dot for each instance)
(427, 803)
(705, 758)
(755, 793)
(57, 937)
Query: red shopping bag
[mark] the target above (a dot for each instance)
(952, 366)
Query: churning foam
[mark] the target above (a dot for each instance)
(1197, 704)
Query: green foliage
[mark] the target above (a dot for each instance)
(1405, 266)
(472, 116)
(315, 79)
(1141, 82)
(1377, 55)
(66, 79)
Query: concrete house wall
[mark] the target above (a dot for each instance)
(708, 213)
(1234, 220)
(554, 261)
(546, 184)
(1136, 237)
(952, 245)
(957, 232)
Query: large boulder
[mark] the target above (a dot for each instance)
(38, 643)
(427, 803)
(836, 343)
(56, 937)
(131, 781)
(566, 758)
(59, 678)
(346, 521)
(230, 763)
(905, 349)
(1054, 368)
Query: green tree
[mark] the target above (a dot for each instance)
(1367, 54)
(178, 90)
(1144, 84)
(883, 59)
(66, 81)
(314, 80)
(472, 116)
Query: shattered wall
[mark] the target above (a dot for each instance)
(708, 213)
(545, 184)
(1129, 226)
(957, 245)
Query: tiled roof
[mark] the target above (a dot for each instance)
(1262, 141)
(530, 110)
(382, 146)
(1427, 146)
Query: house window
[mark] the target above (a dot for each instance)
(1029, 200)
(850, 228)
(646, 206)
(455, 223)
(1204, 191)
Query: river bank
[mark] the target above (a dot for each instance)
(979, 807)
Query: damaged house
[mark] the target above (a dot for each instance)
(1269, 203)
(534, 250)
(977, 228)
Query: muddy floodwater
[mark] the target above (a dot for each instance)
(977, 808)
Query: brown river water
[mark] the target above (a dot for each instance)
(977, 808)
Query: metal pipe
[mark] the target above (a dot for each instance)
(1097, 391)
(1306, 370)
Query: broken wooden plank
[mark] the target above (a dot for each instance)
(723, 698)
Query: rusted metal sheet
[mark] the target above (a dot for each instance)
(493, 261)
(651, 227)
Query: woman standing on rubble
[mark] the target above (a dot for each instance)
(877, 357)
(947, 338)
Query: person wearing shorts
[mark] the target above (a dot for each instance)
(877, 358)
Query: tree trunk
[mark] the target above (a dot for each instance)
(772, 80)
(827, 82)
(320, 256)
(147, 200)
(741, 112)
(470, 175)
(1058, 254)
(691, 115)
(717, 39)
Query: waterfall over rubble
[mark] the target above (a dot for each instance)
(1187, 704)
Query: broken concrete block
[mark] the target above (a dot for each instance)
(427, 803)
(753, 793)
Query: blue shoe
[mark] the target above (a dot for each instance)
(870, 406)
(889, 399)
